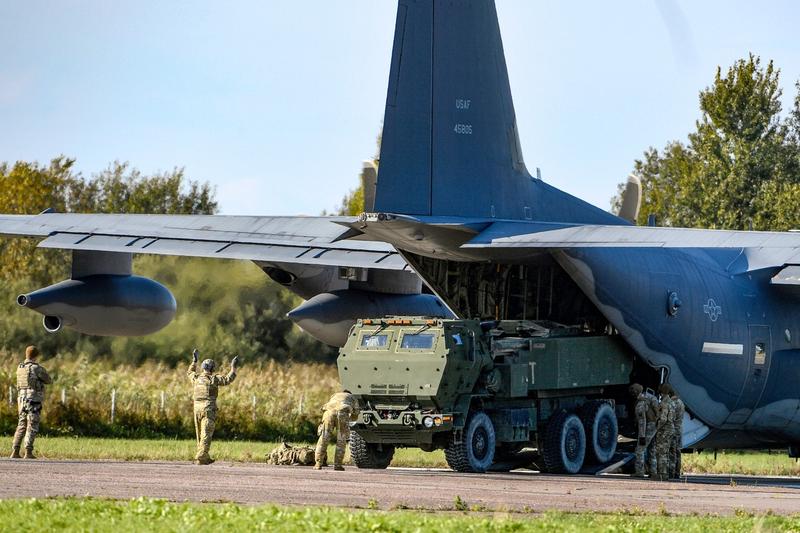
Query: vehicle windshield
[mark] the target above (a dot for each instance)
(374, 341)
(418, 341)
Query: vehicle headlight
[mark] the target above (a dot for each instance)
(427, 422)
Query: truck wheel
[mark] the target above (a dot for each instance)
(367, 455)
(600, 424)
(474, 450)
(564, 444)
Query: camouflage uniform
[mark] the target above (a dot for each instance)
(665, 429)
(286, 454)
(31, 379)
(646, 412)
(206, 388)
(677, 444)
(337, 413)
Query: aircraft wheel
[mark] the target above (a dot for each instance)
(473, 451)
(368, 455)
(600, 425)
(564, 444)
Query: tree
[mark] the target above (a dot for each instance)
(353, 202)
(30, 188)
(740, 168)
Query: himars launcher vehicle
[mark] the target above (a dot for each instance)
(483, 391)
(713, 312)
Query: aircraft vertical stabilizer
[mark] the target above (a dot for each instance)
(450, 145)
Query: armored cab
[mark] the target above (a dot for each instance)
(483, 391)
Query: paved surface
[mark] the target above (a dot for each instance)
(429, 489)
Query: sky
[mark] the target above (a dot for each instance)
(277, 103)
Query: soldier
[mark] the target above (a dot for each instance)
(206, 386)
(286, 454)
(665, 429)
(677, 439)
(337, 413)
(646, 411)
(31, 379)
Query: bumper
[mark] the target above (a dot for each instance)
(407, 428)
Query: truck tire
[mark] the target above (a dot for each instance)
(367, 455)
(473, 451)
(564, 444)
(600, 424)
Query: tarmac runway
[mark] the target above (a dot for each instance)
(395, 487)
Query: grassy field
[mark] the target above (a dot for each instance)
(750, 463)
(268, 400)
(158, 515)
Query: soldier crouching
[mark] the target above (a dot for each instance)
(337, 413)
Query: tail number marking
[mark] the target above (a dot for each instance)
(463, 129)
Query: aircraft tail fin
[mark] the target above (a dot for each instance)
(450, 145)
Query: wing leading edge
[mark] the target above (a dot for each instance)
(302, 240)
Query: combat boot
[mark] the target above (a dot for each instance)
(338, 467)
(317, 466)
(29, 454)
(15, 453)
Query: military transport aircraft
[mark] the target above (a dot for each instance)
(716, 313)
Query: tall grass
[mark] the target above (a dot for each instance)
(287, 396)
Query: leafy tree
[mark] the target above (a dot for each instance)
(224, 307)
(30, 188)
(353, 202)
(740, 168)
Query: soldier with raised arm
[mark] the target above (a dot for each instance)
(646, 410)
(206, 387)
(31, 379)
(336, 417)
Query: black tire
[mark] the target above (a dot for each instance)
(368, 455)
(564, 444)
(473, 451)
(602, 430)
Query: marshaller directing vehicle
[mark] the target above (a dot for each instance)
(483, 391)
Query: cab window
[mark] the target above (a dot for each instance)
(374, 341)
(418, 341)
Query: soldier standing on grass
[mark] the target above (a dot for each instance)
(336, 416)
(665, 429)
(31, 379)
(206, 387)
(646, 411)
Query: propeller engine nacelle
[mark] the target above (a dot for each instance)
(104, 304)
(329, 316)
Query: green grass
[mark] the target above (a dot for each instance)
(159, 515)
(745, 462)
(183, 450)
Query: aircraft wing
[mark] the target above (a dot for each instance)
(299, 239)
(501, 235)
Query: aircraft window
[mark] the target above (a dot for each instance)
(374, 341)
(761, 354)
(457, 339)
(420, 341)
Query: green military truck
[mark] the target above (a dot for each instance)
(483, 391)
